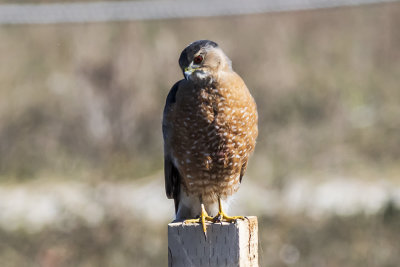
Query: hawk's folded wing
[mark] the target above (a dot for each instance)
(171, 173)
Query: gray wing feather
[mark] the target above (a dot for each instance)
(171, 173)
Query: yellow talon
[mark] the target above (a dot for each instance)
(202, 219)
(223, 216)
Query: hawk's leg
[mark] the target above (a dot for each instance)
(202, 219)
(223, 216)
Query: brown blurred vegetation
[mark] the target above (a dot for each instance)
(284, 241)
(85, 100)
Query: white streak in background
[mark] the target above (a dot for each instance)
(32, 207)
(63, 205)
(150, 10)
(341, 196)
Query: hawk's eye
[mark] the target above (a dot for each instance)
(198, 59)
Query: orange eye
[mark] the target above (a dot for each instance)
(198, 59)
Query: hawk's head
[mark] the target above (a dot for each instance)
(201, 59)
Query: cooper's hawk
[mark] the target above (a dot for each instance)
(209, 130)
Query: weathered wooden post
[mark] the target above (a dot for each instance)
(227, 244)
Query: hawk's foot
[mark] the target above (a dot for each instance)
(202, 219)
(222, 216)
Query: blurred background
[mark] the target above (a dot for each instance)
(81, 178)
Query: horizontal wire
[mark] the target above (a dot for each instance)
(157, 9)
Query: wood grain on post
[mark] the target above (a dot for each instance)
(227, 244)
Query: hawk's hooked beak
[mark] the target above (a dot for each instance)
(189, 70)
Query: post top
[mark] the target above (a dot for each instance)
(250, 219)
(227, 244)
